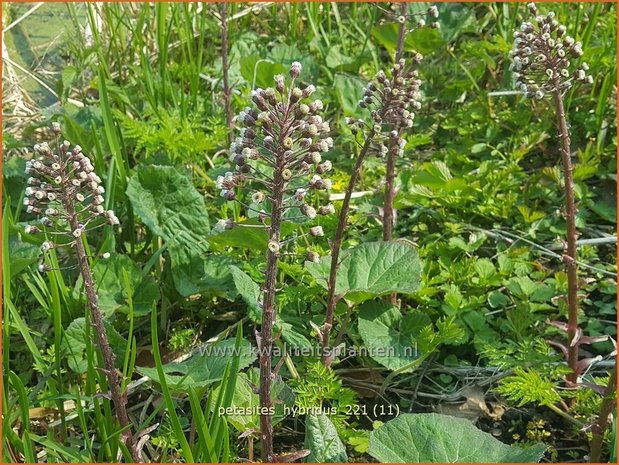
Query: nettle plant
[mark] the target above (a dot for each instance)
(66, 194)
(279, 163)
(544, 66)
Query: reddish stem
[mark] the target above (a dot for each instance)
(119, 399)
(569, 258)
(265, 345)
(336, 245)
(225, 66)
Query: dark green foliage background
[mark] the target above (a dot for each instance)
(480, 194)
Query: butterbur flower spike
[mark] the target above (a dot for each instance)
(393, 99)
(64, 190)
(279, 158)
(280, 149)
(66, 193)
(543, 56)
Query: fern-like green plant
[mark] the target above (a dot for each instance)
(528, 387)
(182, 139)
(320, 386)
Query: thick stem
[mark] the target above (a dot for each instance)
(225, 66)
(569, 258)
(113, 375)
(402, 31)
(268, 317)
(336, 245)
(599, 427)
(388, 210)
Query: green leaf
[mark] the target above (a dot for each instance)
(168, 203)
(387, 36)
(251, 237)
(75, 345)
(258, 71)
(111, 290)
(198, 275)
(496, 299)
(348, 90)
(388, 336)
(424, 40)
(21, 254)
(336, 59)
(434, 438)
(244, 413)
(372, 269)
(322, 440)
(249, 291)
(204, 368)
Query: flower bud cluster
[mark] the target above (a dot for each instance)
(392, 101)
(432, 12)
(283, 135)
(64, 190)
(279, 154)
(542, 54)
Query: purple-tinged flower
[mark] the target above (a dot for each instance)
(542, 56)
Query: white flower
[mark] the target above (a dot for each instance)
(47, 245)
(257, 197)
(273, 246)
(300, 194)
(309, 211)
(295, 69)
(316, 231)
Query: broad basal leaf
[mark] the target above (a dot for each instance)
(199, 274)
(348, 90)
(168, 203)
(249, 291)
(322, 440)
(246, 401)
(21, 254)
(204, 368)
(75, 344)
(388, 336)
(113, 294)
(433, 438)
(372, 269)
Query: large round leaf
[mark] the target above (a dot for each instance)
(434, 438)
